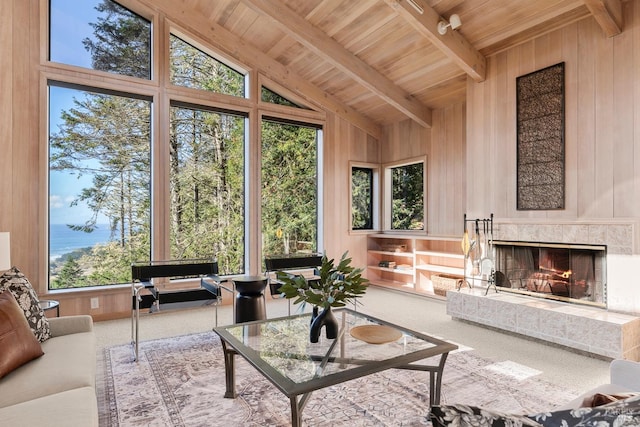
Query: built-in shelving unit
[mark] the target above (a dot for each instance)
(408, 262)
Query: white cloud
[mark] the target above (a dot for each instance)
(55, 202)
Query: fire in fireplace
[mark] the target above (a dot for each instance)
(568, 272)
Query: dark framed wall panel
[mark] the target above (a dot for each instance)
(540, 128)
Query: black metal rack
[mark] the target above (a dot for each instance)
(479, 257)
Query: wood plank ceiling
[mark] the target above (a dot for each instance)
(384, 59)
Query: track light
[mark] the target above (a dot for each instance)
(454, 23)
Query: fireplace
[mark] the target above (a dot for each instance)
(561, 271)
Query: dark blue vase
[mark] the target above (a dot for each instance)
(324, 318)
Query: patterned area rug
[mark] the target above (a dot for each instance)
(180, 382)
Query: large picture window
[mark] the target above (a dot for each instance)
(405, 195)
(139, 169)
(290, 196)
(207, 186)
(99, 186)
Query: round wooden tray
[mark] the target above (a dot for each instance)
(375, 334)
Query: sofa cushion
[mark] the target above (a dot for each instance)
(16, 282)
(620, 413)
(69, 362)
(18, 345)
(77, 407)
(464, 415)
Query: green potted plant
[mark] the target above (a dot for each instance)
(334, 286)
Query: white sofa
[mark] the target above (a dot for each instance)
(58, 388)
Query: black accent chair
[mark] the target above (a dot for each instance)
(144, 273)
(292, 264)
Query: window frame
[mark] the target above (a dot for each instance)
(200, 106)
(303, 122)
(387, 193)
(163, 94)
(86, 85)
(375, 196)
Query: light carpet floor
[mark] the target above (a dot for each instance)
(179, 381)
(557, 365)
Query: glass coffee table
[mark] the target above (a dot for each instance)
(280, 350)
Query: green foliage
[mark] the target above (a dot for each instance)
(361, 198)
(193, 68)
(289, 187)
(207, 187)
(70, 275)
(268, 95)
(336, 286)
(407, 210)
(122, 41)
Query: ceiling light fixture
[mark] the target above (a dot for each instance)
(416, 6)
(454, 23)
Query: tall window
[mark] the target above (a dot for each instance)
(364, 191)
(99, 193)
(207, 186)
(101, 35)
(405, 195)
(289, 188)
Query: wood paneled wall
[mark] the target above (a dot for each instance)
(20, 210)
(602, 133)
(445, 147)
(343, 143)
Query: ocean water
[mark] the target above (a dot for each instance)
(63, 240)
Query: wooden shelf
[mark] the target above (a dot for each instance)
(425, 254)
(389, 253)
(408, 271)
(441, 254)
(392, 284)
(441, 269)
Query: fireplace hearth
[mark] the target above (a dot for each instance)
(567, 272)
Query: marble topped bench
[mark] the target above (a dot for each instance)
(589, 329)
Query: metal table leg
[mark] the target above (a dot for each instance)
(229, 371)
(296, 412)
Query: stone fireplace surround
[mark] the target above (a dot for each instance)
(620, 238)
(613, 332)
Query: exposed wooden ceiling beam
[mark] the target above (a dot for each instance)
(330, 50)
(608, 14)
(453, 44)
(233, 46)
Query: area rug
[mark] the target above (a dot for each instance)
(180, 382)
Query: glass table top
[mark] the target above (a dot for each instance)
(281, 349)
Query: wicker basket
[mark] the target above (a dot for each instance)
(443, 283)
